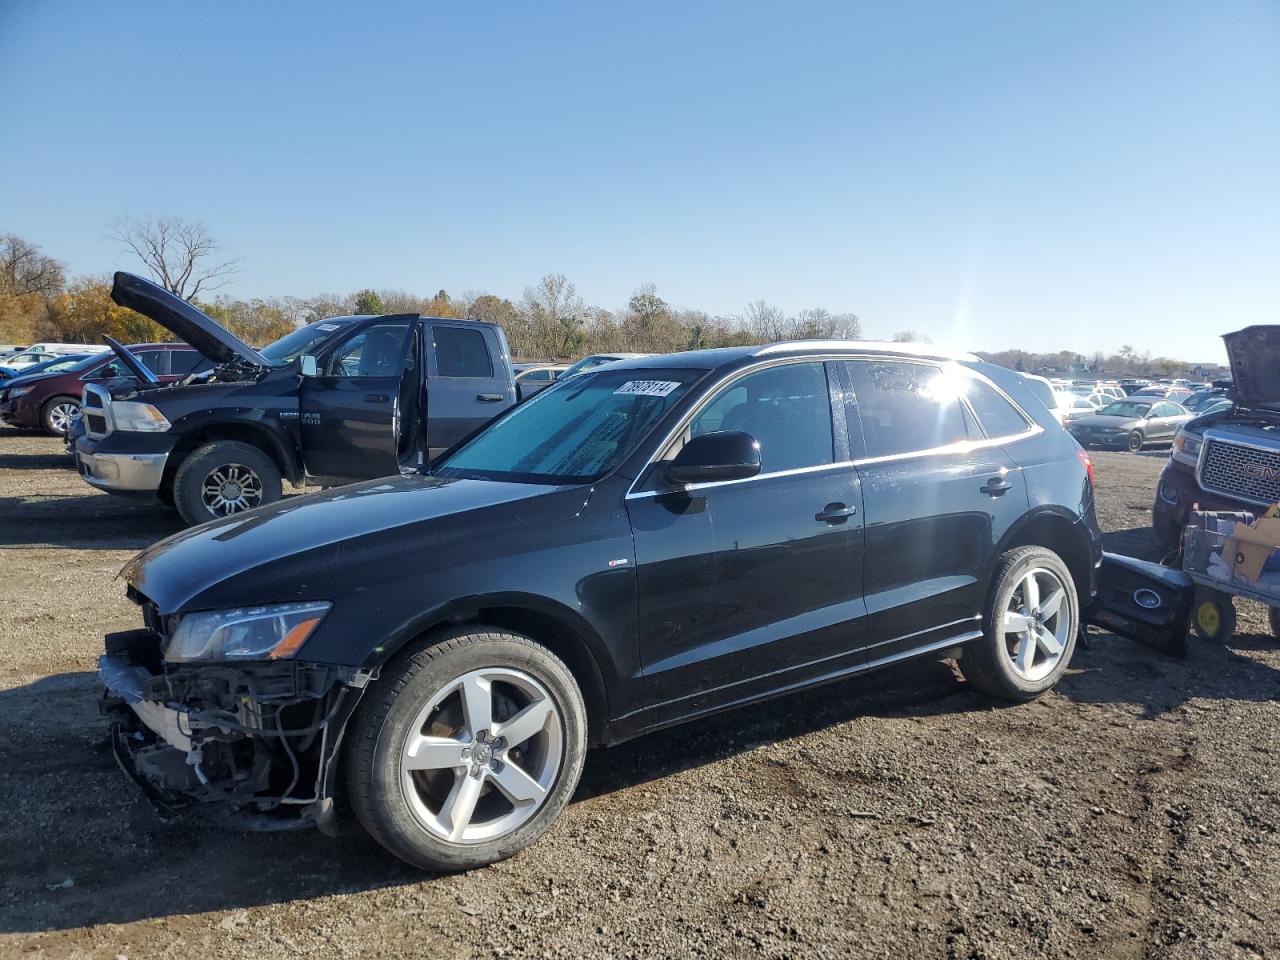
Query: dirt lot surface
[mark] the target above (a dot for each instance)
(1132, 813)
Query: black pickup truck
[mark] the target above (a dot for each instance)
(342, 399)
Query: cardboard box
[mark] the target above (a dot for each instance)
(1250, 546)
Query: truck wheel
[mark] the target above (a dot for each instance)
(223, 478)
(466, 750)
(56, 414)
(1213, 616)
(1135, 441)
(1030, 627)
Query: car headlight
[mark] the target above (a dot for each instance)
(19, 392)
(138, 417)
(247, 633)
(1186, 447)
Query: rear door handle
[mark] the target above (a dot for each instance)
(996, 486)
(834, 513)
(489, 397)
(376, 397)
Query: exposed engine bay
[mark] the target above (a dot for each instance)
(253, 744)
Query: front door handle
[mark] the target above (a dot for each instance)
(996, 487)
(376, 397)
(489, 397)
(834, 513)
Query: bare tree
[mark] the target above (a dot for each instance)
(25, 270)
(181, 254)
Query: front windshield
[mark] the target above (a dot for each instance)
(1125, 408)
(575, 431)
(304, 340)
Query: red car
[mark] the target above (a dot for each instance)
(49, 401)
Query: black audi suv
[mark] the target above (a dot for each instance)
(634, 547)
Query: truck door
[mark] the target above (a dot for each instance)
(351, 411)
(469, 381)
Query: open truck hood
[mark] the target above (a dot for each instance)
(1254, 355)
(190, 324)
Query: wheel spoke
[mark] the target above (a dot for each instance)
(434, 753)
(1048, 642)
(477, 705)
(1030, 592)
(1015, 622)
(518, 786)
(1051, 604)
(1026, 652)
(527, 723)
(458, 807)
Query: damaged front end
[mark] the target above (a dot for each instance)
(251, 743)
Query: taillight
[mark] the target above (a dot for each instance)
(1088, 464)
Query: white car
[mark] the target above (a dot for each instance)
(1072, 407)
(40, 352)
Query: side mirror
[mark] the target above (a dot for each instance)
(307, 366)
(723, 455)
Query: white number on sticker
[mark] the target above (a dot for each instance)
(647, 388)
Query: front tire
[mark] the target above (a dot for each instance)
(56, 414)
(1135, 442)
(1030, 626)
(467, 749)
(224, 478)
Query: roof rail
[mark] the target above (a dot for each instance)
(878, 346)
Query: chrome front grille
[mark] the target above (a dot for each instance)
(95, 407)
(1244, 471)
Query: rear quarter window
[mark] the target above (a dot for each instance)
(997, 416)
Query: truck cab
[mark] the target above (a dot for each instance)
(342, 399)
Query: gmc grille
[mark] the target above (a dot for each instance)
(1245, 472)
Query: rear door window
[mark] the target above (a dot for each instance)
(461, 352)
(182, 362)
(907, 407)
(997, 416)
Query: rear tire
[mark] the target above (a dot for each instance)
(429, 779)
(207, 483)
(1136, 440)
(1031, 588)
(56, 414)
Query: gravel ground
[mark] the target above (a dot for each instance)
(1132, 813)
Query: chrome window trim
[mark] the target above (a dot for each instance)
(962, 446)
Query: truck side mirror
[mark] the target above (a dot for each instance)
(307, 366)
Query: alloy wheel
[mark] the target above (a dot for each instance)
(231, 488)
(482, 755)
(61, 415)
(1037, 624)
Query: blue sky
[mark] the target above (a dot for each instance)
(1076, 175)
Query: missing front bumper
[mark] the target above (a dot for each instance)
(251, 745)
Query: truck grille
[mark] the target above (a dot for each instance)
(93, 406)
(1237, 470)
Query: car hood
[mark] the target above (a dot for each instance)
(1254, 355)
(129, 360)
(270, 554)
(1098, 420)
(189, 323)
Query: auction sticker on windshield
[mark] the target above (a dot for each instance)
(647, 388)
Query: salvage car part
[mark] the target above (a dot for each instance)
(1144, 601)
